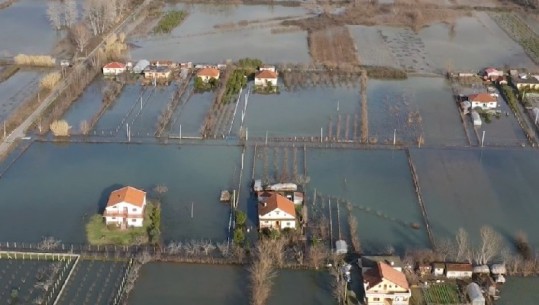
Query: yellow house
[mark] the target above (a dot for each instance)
(384, 285)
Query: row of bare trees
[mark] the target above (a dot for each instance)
(268, 255)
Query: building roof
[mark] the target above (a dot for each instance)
(210, 72)
(384, 271)
(438, 266)
(372, 261)
(114, 65)
(482, 98)
(277, 201)
(127, 194)
(458, 267)
(474, 293)
(490, 70)
(266, 74)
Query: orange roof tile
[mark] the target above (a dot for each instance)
(114, 65)
(277, 201)
(211, 72)
(482, 98)
(127, 194)
(385, 271)
(265, 74)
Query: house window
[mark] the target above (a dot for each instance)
(385, 286)
(288, 223)
(134, 209)
(113, 218)
(376, 299)
(484, 105)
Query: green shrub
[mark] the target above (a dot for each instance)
(241, 218)
(239, 236)
(169, 21)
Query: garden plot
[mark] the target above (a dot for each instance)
(143, 121)
(236, 31)
(377, 190)
(173, 284)
(87, 105)
(93, 283)
(408, 48)
(24, 28)
(194, 176)
(472, 44)
(371, 47)
(28, 281)
(472, 188)
(442, 294)
(190, 115)
(16, 90)
(317, 283)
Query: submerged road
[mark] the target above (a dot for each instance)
(20, 131)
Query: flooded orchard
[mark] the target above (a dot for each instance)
(78, 178)
(16, 89)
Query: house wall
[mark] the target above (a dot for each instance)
(459, 274)
(439, 271)
(263, 81)
(277, 219)
(490, 105)
(113, 71)
(387, 290)
(206, 78)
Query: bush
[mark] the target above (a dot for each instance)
(171, 20)
(239, 236)
(236, 81)
(34, 60)
(50, 80)
(241, 218)
(60, 128)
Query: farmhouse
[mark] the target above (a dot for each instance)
(114, 68)
(525, 81)
(157, 72)
(265, 78)
(208, 73)
(483, 100)
(458, 270)
(125, 207)
(385, 285)
(277, 212)
(492, 73)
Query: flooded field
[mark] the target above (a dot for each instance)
(86, 105)
(316, 283)
(472, 188)
(190, 115)
(410, 108)
(173, 284)
(93, 283)
(16, 90)
(523, 289)
(24, 28)
(371, 46)
(235, 31)
(85, 174)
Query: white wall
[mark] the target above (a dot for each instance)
(263, 81)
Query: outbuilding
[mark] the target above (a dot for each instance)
(140, 66)
(458, 270)
(114, 68)
(438, 269)
(476, 118)
(474, 294)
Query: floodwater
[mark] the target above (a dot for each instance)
(77, 179)
(16, 89)
(173, 284)
(310, 287)
(470, 188)
(371, 46)
(24, 28)
(379, 186)
(86, 105)
(191, 114)
(520, 290)
(477, 42)
(207, 36)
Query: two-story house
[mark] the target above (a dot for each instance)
(125, 207)
(384, 285)
(277, 212)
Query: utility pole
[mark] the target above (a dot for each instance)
(321, 134)
(180, 131)
(266, 138)
(394, 137)
(483, 139)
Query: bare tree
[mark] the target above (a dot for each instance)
(317, 254)
(48, 243)
(121, 7)
(54, 13)
(95, 13)
(223, 248)
(207, 247)
(80, 35)
(160, 189)
(491, 245)
(462, 245)
(71, 13)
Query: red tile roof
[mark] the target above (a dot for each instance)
(114, 65)
(482, 98)
(459, 267)
(266, 74)
(127, 194)
(384, 271)
(277, 201)
(210, 72)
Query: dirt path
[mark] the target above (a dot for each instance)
(333, 47)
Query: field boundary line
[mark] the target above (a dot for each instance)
(66, 280)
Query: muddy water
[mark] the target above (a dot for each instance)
(316, 283)
(84, 175)
(191, 114)
(16, 90)
(519, 290)
(88, 104)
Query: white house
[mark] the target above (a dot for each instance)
(125, 207)
(277, 212)
(265, 77)
(458, 271)
(385, 285)
(208, 73)
(483, 100)
(114, 68)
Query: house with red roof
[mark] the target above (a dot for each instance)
(208, 73)
(483, 100)
(385, 285)
(125, 207)
(114, 68)
(277, 212)
(266, 77)
(492, 73)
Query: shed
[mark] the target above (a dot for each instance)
(474, 294)
(341, 247)
(140, 66)
(438, 269)
(476, 118)
(498, 269)
(500, 278)
(481, 269)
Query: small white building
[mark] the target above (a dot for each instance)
(484, 101)
(265, 78)
(438, 269)
(277, 212)
(206, 74)
(476, 118)
(474, 294)
(114, 68)
(458, 270)
(125, 207)
(341, 247)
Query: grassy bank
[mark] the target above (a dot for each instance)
(8, 72)
(98, 233)
(169, 21)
